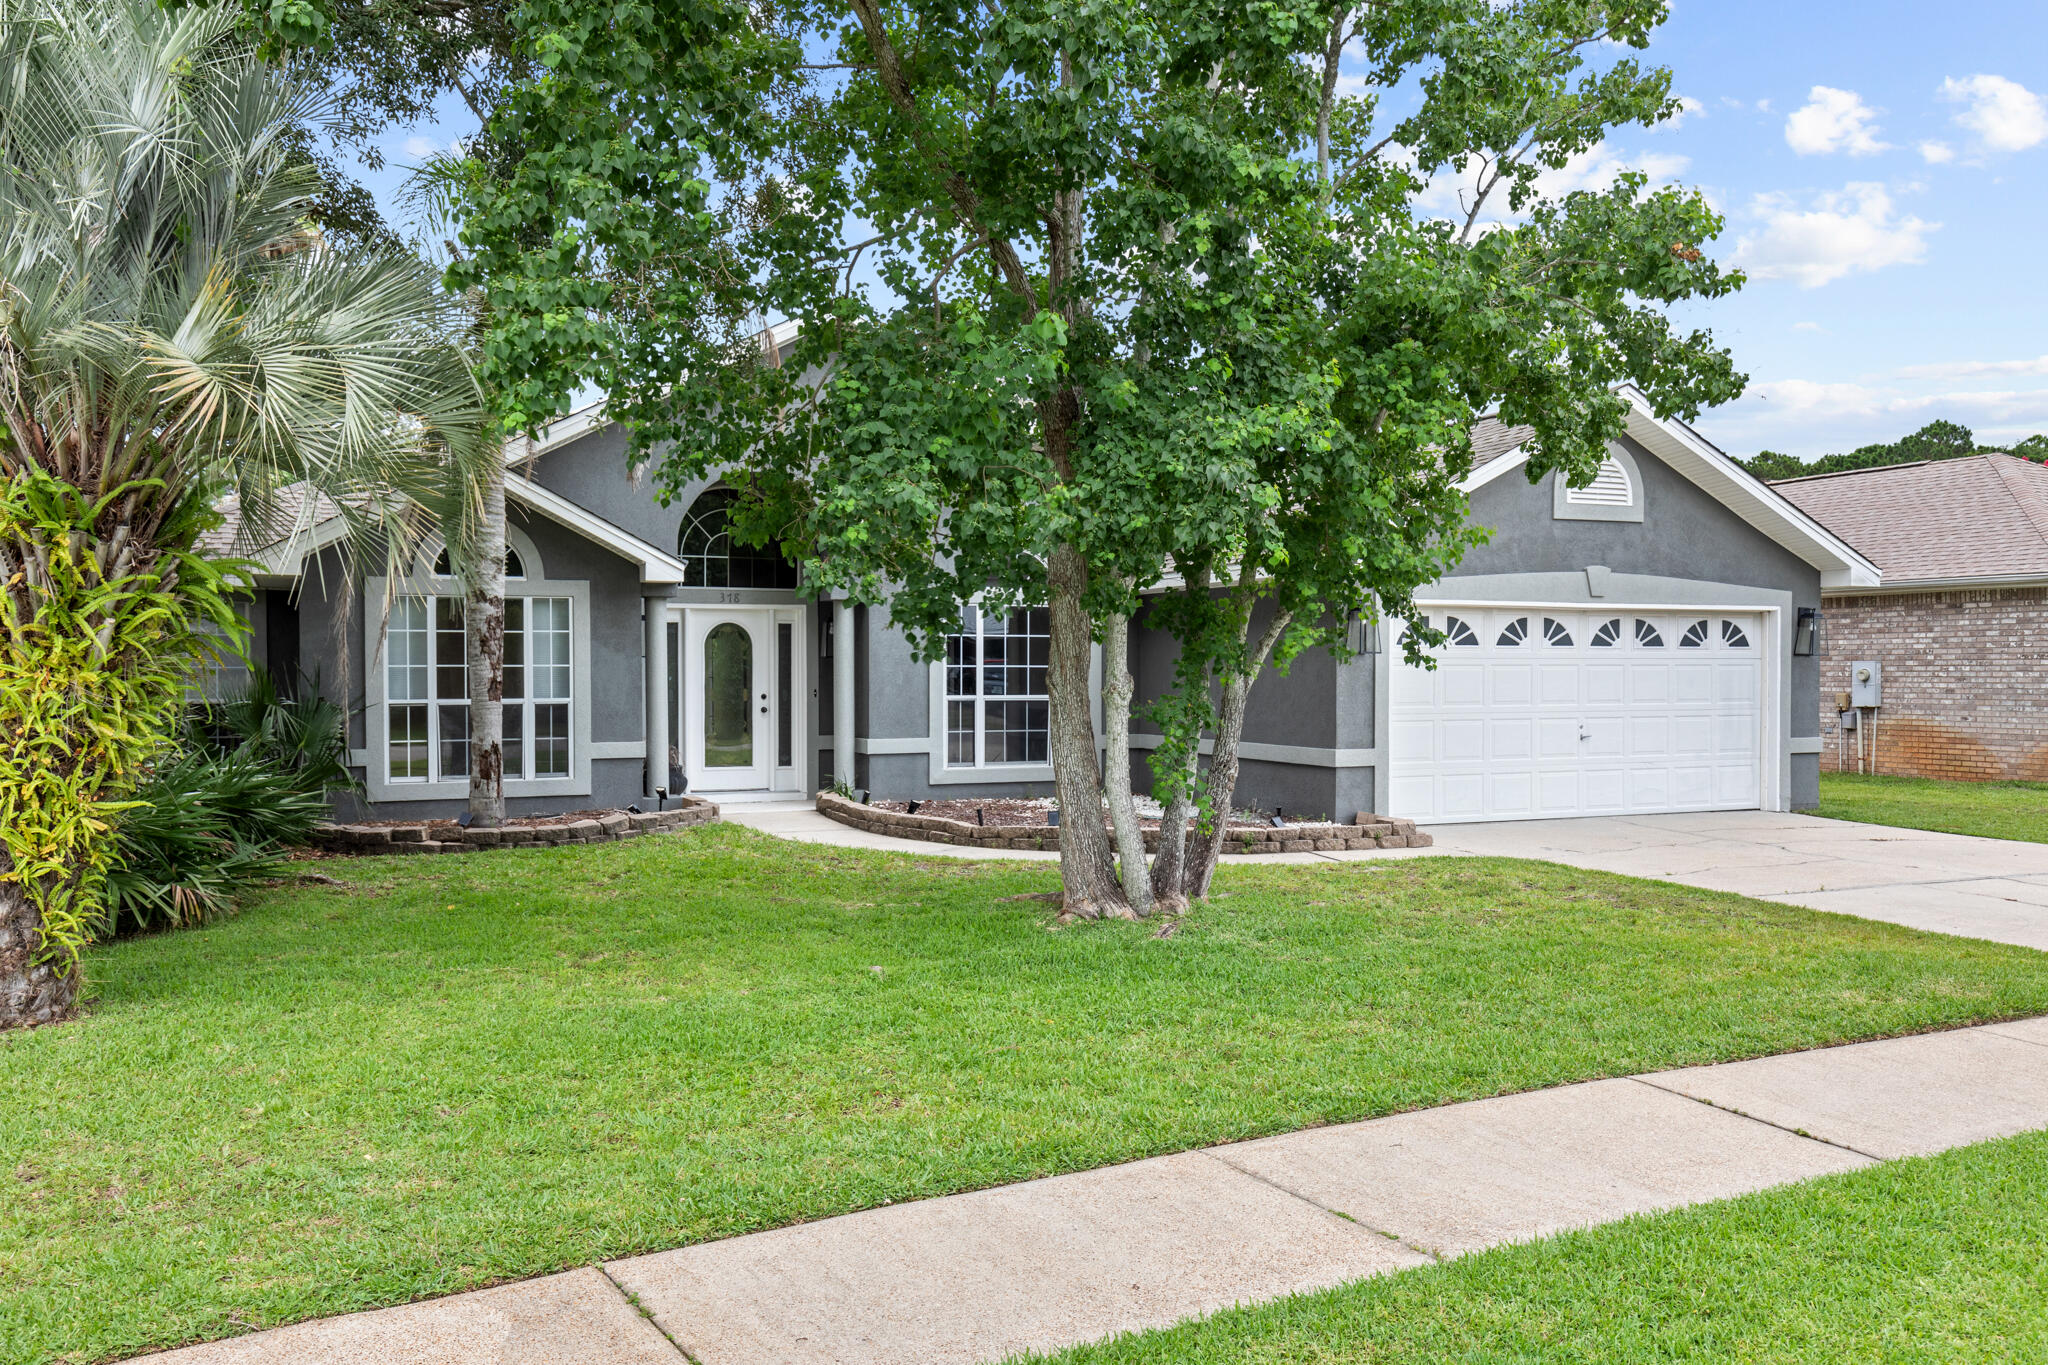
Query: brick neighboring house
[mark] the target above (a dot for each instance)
(1960, 623)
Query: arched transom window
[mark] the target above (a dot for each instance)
(713, 559)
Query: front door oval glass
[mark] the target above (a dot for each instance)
(728, 699)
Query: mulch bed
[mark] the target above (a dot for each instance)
(1012, 811)
(511, 821)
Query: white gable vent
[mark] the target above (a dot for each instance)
(1610, 488)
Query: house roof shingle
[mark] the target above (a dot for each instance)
(1493, 438)
(1977, 516)
(296, 507)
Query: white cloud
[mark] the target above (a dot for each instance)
(1594, 169)
(1971, 369)
(2005, 114)
(1937, 153)
(1839, 233)
(421, 148)
(1833, 121)
(1809, 327)
(1806, 417)
(1688, 108)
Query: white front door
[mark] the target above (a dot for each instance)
(1535, 713)
(727, 707)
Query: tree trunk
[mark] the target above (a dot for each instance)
(484, 619)
(1169, 865)
(1237, 691)
(1087, 868)
(1117, 688)
(31, 992)
(1169, 895)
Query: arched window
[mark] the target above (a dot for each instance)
(515, 567)
(713, 559)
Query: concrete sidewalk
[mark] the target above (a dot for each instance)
(981, 1276)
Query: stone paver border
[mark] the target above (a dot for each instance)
(1366, 832)
(979, 1277)
(363, 840)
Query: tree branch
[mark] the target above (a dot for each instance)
(889, 69)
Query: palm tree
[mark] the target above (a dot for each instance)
(171, 330)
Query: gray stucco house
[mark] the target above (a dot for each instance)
(1640, 645)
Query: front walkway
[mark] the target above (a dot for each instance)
(800, 820)
(979, 1277)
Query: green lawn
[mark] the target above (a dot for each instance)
(1941, 1261)
(1997, 810)
(449, 1071)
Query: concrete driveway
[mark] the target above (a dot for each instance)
(1950, 883)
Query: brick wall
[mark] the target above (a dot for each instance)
(1965, 681)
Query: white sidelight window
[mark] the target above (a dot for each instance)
(426, 689)
(997, 710)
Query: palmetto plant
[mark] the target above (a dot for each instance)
(169, 330)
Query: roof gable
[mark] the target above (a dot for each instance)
(1703, 464)
(1976, 516)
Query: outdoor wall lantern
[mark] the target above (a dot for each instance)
(825, 615)
(1363, 636)
(1806, 634)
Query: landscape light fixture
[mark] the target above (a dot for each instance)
(1806, 634)
(661, 798)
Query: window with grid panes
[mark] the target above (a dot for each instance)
(997, 710)
(426, 689)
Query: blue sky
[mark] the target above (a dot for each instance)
(1883, 168)
(1884, 172)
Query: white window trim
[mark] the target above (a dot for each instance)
(940, 775)
(979, 698)
(377, 715)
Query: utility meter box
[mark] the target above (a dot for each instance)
(1866, 683)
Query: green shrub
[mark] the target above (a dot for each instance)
(299, 732)
(249, 781)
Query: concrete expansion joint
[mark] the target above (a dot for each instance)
(1271, 1184)
(1742, 1114)
(644, 1311)
(1997, 1032)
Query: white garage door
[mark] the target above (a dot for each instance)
(1536, 712)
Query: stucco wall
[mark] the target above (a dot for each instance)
(1331, 708)
(332, 644)
(1685, 534)
(1965, 682)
